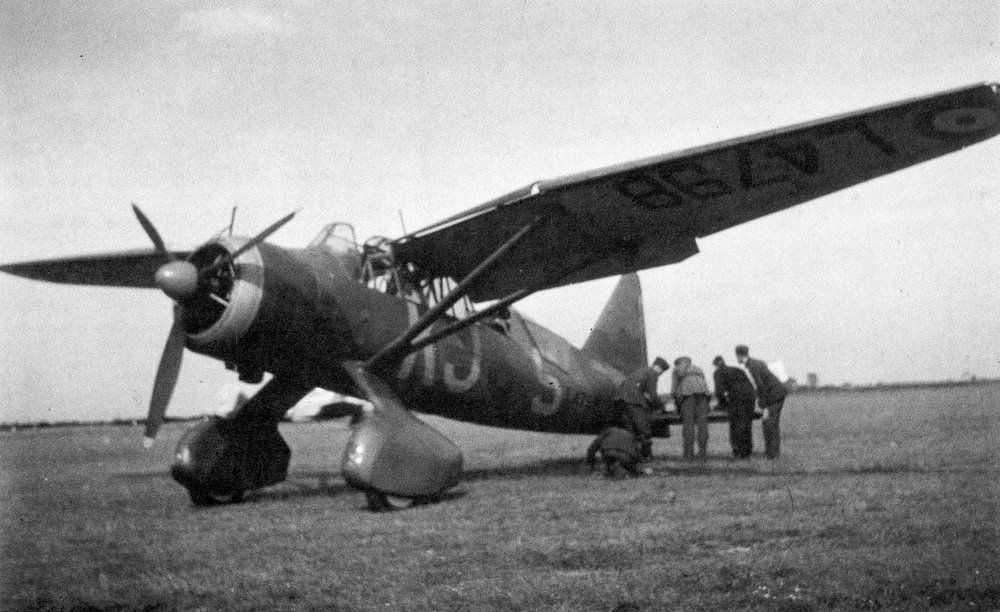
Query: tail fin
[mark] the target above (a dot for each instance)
(619, 336)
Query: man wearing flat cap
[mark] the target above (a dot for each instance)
(636, 399)
(770, 395)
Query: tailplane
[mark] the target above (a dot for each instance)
(619, 336)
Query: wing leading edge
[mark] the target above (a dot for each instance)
(649, 212)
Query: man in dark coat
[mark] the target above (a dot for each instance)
(736, 393)
(636, 399)
(771, 396)
(619, 450)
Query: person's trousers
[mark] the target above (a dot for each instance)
(635, 418)
(771, 426)
(741, 428)
(694, 420)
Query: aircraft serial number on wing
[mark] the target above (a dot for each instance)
(783, 158)
(744, 168)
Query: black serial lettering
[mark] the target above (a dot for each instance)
(803, 156)
(646, 191)
(758, 169)
(772, 161)
(691, 179)
(859, 127)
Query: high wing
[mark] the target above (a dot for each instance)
(123, 269)
(649, 212)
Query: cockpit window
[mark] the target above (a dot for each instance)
(379, 267)
(338, 240)
(373, 264)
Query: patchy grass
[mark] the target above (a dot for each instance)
(882, 500)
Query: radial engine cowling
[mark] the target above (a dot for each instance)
(221, 314)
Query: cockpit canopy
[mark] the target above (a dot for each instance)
(374, 265)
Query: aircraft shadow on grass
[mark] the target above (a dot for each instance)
(325, 484)
(330, 483)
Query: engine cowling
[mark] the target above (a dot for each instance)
(216, 319)
(267, 312)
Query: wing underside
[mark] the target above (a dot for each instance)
(124, 269)
(648, 213)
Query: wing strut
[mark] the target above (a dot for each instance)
(458, 326)
(401, 346)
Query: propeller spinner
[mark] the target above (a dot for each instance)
(182, 281)
(178, 279)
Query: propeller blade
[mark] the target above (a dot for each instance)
(152, 233)
(225, 261)
(166, 378)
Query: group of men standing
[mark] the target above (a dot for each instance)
(738, 390)
(627, 443)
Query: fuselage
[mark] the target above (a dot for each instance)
(299, 314)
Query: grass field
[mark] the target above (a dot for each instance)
(883, 499)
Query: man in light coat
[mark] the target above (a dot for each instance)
(691, 397)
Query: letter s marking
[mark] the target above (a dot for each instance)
(538, 406)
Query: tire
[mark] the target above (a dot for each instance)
(204, 497)
(380, 502)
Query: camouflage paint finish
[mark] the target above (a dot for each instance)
(313, 316)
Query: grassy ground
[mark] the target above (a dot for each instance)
(884, 499)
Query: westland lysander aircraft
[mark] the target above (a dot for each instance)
(423, 323)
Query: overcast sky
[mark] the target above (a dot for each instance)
(363, 112)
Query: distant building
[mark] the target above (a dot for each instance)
(812, 381)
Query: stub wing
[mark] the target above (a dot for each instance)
(649, 212)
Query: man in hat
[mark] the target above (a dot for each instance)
(771, 396)
(636, 399)
(735, 393)
(691, 397)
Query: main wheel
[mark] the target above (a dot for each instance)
(380, 502)
(204, 497)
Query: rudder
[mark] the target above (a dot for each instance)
(619, 336)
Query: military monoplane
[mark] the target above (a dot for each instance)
(424, 322)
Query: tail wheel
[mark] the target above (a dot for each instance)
(380, 502)
(204, 497)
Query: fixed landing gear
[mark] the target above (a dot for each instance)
(220, 459)
(204, 497)
(380, 502)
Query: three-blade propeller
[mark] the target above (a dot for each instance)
(181, 280)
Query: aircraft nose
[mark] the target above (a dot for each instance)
(178, 279)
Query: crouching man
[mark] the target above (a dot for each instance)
(621, 452)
